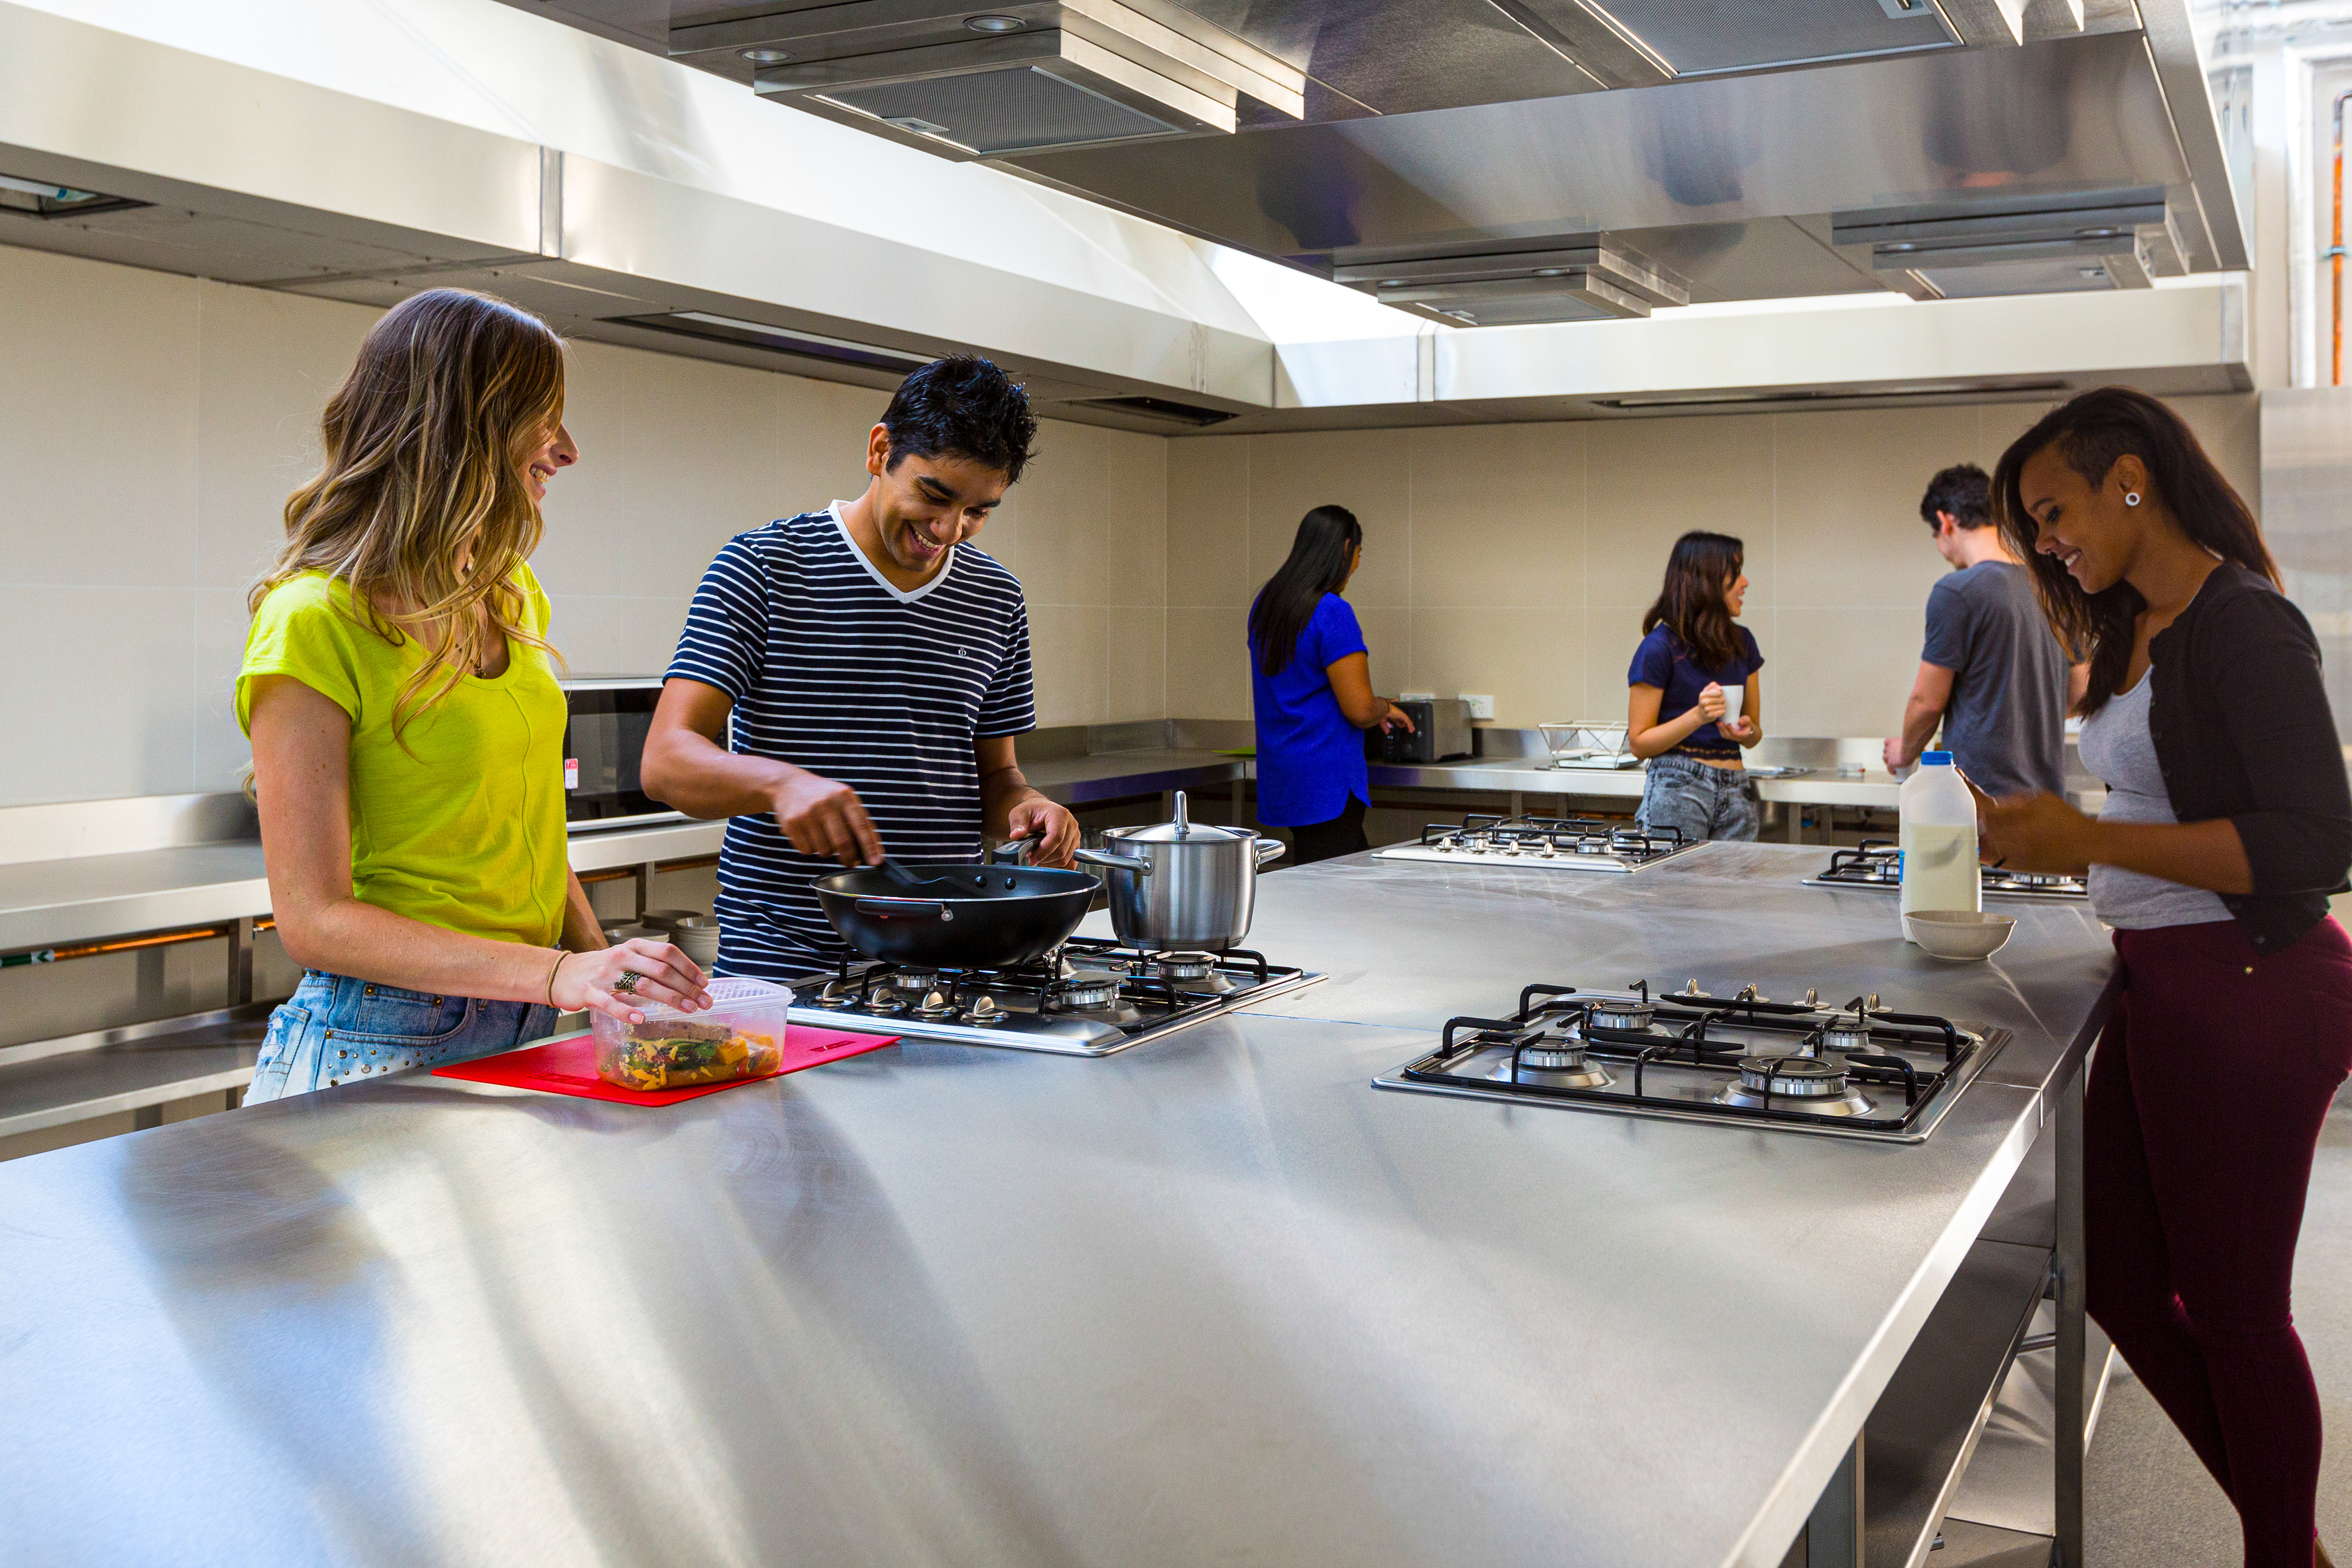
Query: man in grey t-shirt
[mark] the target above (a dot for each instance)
(1993, 673)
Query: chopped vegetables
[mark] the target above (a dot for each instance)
(665, 1053)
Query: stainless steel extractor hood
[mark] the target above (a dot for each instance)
(1029, 78)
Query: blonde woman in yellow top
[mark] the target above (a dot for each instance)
(407, 730)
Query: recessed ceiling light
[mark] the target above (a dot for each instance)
(765, 56)
(994, 24)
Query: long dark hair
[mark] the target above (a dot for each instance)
(1321, 557)
(2091, 432)
(1692, 604)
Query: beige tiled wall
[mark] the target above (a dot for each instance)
(151, 426)
(1517, 560)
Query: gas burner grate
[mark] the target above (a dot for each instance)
(1088, 998)
(1878, 864)
(1862, 1069)
(1579, 843)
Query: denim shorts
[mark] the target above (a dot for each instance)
(1699, 801)
(335, 1028)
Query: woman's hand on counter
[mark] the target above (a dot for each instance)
(586, 981)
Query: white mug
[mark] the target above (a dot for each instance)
(1733, 697)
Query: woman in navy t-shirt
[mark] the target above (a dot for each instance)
(1695, 663)
(1312, 683)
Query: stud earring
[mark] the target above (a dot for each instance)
(2131, 497)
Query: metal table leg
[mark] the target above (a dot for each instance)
(240, 962)
(2067, 1267)
(1834, 1535)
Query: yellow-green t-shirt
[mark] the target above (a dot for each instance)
(464, 828)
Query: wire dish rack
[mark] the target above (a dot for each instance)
(1596, 746)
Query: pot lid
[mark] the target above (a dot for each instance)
(1183, 830)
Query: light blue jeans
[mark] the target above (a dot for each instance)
(335, 1028)
(1702, 802)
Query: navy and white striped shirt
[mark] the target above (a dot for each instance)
(835, 670)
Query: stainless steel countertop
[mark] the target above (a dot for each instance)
(1513, 775)
(1213, 1299)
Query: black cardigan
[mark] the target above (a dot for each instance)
(2239, 719)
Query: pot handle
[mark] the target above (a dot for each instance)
(1271, 850)
(1135, 863)
(897, 908)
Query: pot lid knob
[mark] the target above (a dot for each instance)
(1183, 815)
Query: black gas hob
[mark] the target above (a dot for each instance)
(1857, 1070)
(1088, 998)
(1878, 864)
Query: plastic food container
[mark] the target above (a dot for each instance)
(742, 1036)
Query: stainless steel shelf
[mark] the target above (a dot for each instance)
(1918, 1440)
(48, 1083)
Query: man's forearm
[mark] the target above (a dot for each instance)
(692, 773)
(1920, 719)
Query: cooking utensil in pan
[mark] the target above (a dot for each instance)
(968, 916)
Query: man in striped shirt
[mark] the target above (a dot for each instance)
(876, 666)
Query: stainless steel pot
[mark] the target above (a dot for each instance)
(1182, 886)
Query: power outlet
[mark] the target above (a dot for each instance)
(1480, 707)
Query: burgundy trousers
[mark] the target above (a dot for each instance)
(2204, 1106)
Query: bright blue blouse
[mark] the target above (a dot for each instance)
(1310, 759)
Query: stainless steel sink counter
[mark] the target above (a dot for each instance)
(1215, 1298)
(1110, 775)
(46, 903)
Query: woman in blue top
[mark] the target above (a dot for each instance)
(1313, 687)
(1694, 657)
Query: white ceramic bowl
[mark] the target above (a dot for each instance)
(1958, 932)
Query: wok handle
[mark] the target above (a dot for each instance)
(1271, 850)
(1135, 863)
(900, 909)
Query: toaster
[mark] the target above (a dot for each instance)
(1441, 733)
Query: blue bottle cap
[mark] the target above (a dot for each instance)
(1934, 759)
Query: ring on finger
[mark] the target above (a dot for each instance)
(626, 986)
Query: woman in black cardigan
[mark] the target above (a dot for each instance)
(2227, 825)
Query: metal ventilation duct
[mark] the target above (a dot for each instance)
(1028, 78)
(1581, 278)
(2065, 242)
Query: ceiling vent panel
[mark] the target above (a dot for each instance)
(1586, 280)
(45, 199)
(997, 112)
(1029, 79)
(2067, 241)
(1707, 37)
(1167, 410)
(776, 340)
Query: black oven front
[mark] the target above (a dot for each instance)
(603, 743)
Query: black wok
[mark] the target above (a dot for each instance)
(984, 917)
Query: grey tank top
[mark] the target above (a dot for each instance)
(2117, 746)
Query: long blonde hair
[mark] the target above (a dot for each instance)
(421, 501)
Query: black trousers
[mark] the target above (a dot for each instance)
(1342, 835)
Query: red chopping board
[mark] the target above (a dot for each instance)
(567, 1065)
